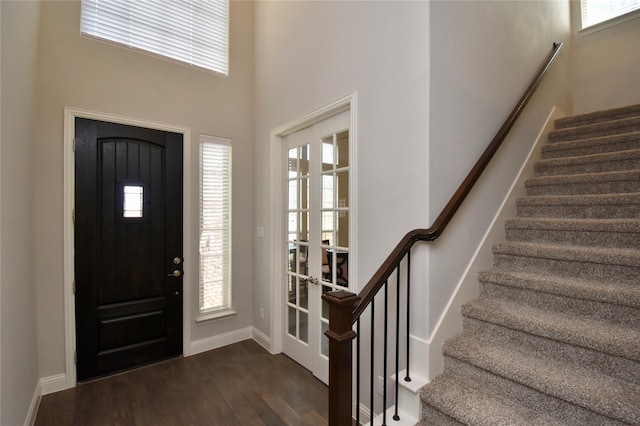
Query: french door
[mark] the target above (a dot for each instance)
(317, 236)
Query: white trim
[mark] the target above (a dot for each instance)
(70, 115)
(261, 338)
(1, 205)
(347, 102)
(215, 316)
(33, 407)
(224, 339)
(53, 384)
(450, 321)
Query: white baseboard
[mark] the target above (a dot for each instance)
(261, 338)
(53, 384)
(33, 407)
(221, 340)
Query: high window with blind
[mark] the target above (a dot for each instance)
(194, 32)
(215, 225)
(595, 12)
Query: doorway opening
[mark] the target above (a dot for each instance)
(314, 225)
(132, 196)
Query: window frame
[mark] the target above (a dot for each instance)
(127, 30)
(224, 310)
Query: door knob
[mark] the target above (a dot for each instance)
(175, 273)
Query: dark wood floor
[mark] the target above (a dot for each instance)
(240, 384)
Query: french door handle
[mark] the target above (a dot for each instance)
(313, 280)
(175, 273)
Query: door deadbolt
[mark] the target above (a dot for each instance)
(177, 261)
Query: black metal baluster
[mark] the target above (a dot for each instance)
(373, 317)
(358, 373)
(384, 360)
(396, 417)
(407, 377)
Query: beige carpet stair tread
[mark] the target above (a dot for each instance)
(472, 405)
(591, 206)
(588, 333)
(582, 225)
(627, 181)
(598, 116)
(612, 292)
(623, 257)
(593, 391)
(624, 125)
(621, 233)
(596, 145)
(630, 158)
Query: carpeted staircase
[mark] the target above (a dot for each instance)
(554, 337)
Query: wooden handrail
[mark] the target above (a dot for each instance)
(345, 308)
(430, 234)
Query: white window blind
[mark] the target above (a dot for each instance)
(190, 31)
(597, 11)
(215, 224)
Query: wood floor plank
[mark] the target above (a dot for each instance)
(240, 384)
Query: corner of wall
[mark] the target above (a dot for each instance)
(33, 407)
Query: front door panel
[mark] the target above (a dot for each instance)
(128, 243)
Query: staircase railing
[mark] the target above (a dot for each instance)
(345, 308)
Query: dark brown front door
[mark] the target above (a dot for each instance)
(128, 246)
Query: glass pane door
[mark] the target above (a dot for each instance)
(335, 222)
(298, 243)
(317, 236)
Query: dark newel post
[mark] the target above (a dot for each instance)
(341, 335)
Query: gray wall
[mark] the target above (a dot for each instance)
(483, 56)
(311, 53)
(87, 74)
(18, 343)
(606, 65)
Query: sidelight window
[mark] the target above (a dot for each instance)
(189, 31)
(215, 224)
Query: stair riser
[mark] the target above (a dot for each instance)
(590, 147)
(592, 167)
(564, 411)
(610, 239)
(623, 274)
(617, 367)
(580, 211)
(614, 313)
(433, 417)
(585, 188)
(567, 135)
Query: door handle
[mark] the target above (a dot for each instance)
(175, 273)
(313, 280)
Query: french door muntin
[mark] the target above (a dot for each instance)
(317, 248)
